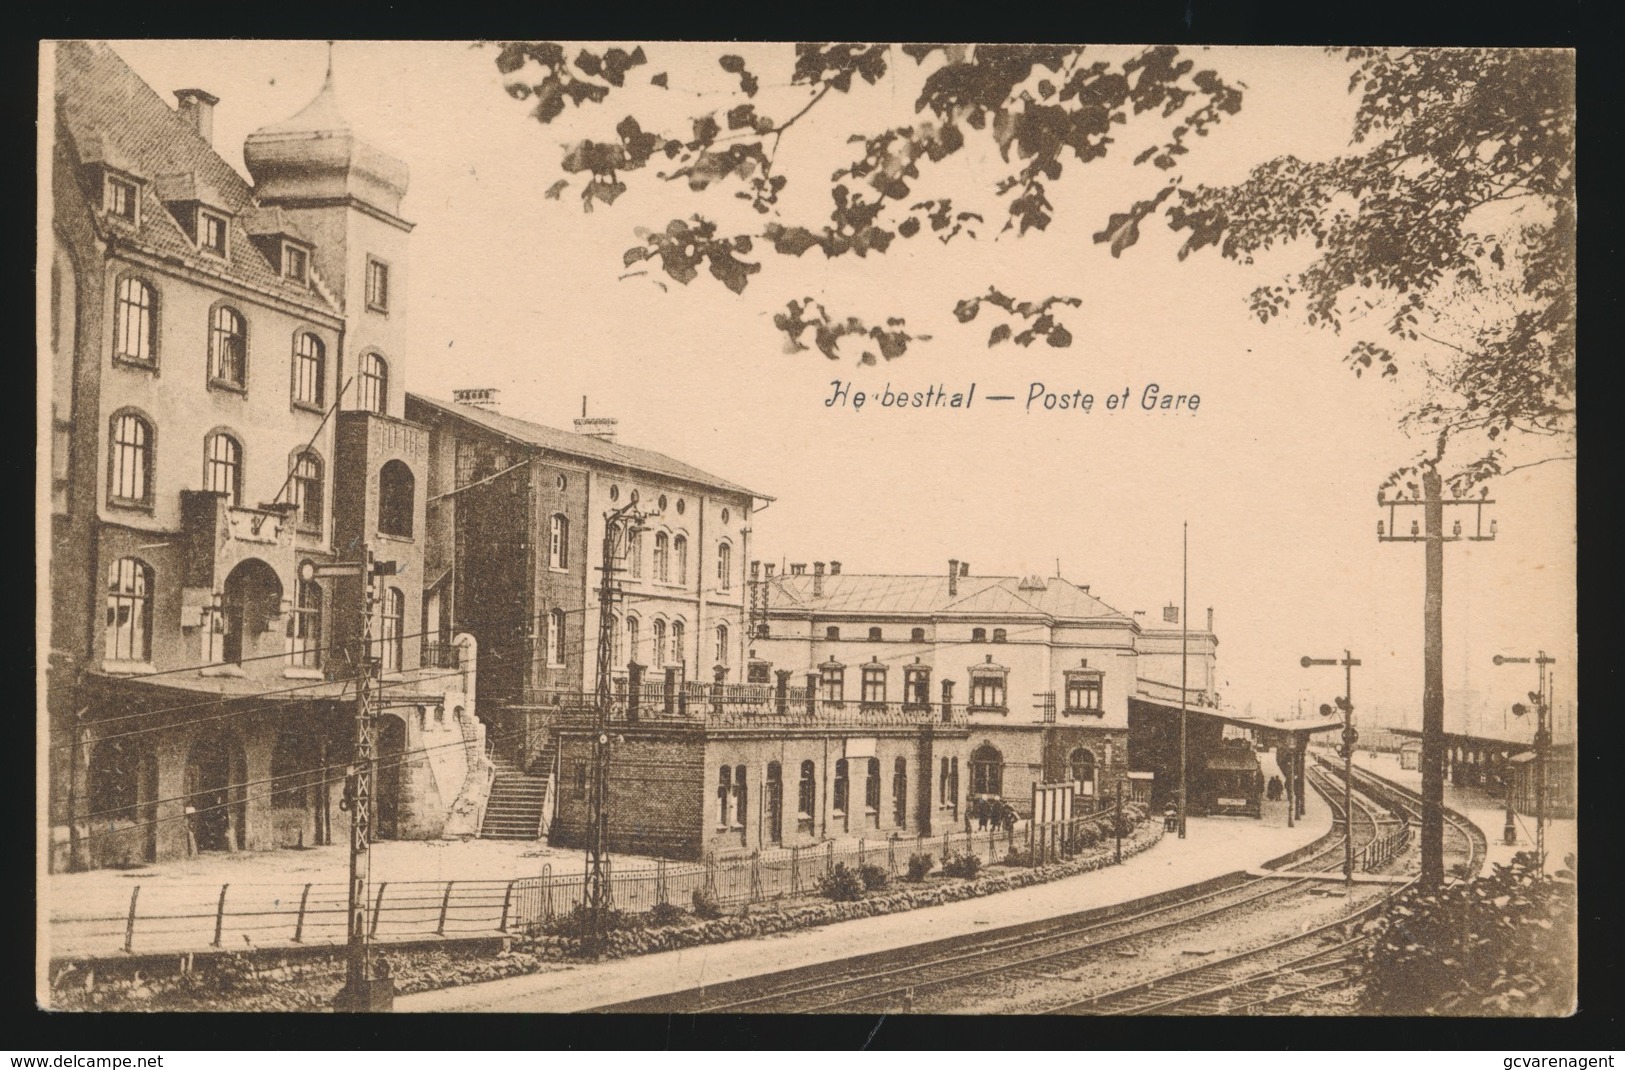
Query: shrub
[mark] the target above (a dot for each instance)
(664, 914)
(874, 877)
(918, 866)
(578, 923)
(841, 884)
(961, 865)
(706, 906)
(1502, 945)
(1084, 837)
(1017, 856)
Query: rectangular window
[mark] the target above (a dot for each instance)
(211, 233)
(874, 686)
(1083, 693)
(987, 691)
(377, 285)
(122, 197)
(295, 263)
(833, 684)
(580, 780)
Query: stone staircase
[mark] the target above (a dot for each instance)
(518, 799)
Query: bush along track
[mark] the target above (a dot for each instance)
(242, 982)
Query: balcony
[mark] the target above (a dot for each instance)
(740, 706)
(439, 655)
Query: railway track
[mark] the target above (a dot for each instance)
(902, 979)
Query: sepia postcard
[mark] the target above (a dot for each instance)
(829, 528)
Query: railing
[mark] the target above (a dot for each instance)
(714, 706)
(437, 655)
(162, 917)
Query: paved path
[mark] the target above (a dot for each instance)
(1213, 846)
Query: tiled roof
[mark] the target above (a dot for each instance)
(978, 596)
(113, 117)
(583, 446)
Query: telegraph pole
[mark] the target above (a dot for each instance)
(1184, 666)
(1543, 740)
(1346, 751)
(617, 523)
(1432, 503)
(362, 990)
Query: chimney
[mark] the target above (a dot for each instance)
(197, 108)
(818, 579)
(1210, 618)
(834, 568)
(964, 568)
(953, 576)
(484, 397)
(599, 427)
(798, 570)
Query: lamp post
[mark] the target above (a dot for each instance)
(1543, 740)
(1345, 703)
(1430, 499)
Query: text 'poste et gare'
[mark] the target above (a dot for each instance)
(1153, 397)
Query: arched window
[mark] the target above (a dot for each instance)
(722, 644)
(659, 633)
(842, 787)
(874, 635)
(679, 653)
(662, 557)
(558, 541)
(740, 802)
(129, 610)
(397, 499)
(555, 637)
(307, 492)
(309, 369)
(228, 347)
(392, 635)
(135, 322)
(774, 802)
(634, 554)
(986, 771)
(115, 782)
(832, 633)
(978, 635)
(724, 790)
(899, 791)
(632, 638)
(917, 635)
(679, 548)
(130, 472)
(998, 635)
(1081, 765)
(223, 467)
(871, 787)
(305, 626)
(373, 393)
(807, 793)
(725, 569)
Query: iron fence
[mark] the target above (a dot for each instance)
(162, 917)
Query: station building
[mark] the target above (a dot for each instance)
(227, 382)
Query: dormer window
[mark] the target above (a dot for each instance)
(211, 232)
(122, 197)
(295, 263)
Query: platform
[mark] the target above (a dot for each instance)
(1212, 847)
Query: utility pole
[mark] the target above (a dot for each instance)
(1432, 503)
(1543, 741)
(1184, 667)
(362, 990)
(597, 892)
(1346, 751)
(1118, 824)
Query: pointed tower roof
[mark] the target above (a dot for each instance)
(316, 155)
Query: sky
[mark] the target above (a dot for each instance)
(1275, 473)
